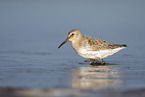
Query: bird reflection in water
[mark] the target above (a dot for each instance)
(95, 77)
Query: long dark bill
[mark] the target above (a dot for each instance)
(63, 42)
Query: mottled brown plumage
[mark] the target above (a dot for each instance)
(99, 44)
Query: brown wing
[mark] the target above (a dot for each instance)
(117, 45)
(99, 44)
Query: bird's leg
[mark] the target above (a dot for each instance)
(103, 62)
(91, 60)
(97, 61)
(88, 60)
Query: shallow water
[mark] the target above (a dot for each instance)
(29, 40)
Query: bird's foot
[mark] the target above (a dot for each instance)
(97, 62)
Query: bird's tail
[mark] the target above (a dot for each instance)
(118, 46)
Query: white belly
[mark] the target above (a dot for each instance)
(97, 54)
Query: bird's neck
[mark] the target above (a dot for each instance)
(76, 43)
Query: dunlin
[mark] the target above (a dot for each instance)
(90, 47)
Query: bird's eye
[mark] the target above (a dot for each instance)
(72, 34)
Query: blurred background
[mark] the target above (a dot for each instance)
(32, 30)
(42, 25)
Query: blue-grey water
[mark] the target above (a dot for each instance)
(31, 31)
